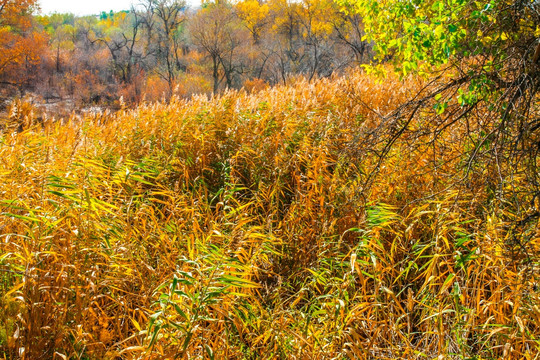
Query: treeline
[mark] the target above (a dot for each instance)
(162, 47)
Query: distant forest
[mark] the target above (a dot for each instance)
(162, 47)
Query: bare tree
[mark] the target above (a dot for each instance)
(219, 33)
(349, 30)
(164, 20)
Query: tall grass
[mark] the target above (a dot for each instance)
(262, 225)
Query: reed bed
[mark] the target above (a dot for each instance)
(263, 226)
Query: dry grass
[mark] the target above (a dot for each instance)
(255, 226)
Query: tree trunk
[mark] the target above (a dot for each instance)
(215, 73)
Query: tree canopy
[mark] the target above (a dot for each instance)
(478, 57)
(20, 45)
(419, 34)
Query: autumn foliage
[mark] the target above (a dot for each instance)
(244, 191)
(158, 49)
(261, 225)
(21, 47)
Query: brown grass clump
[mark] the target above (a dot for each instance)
(263, 225)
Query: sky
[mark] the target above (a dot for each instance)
(88, 7)
(84, 7)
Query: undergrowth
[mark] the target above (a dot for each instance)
(262, 226)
